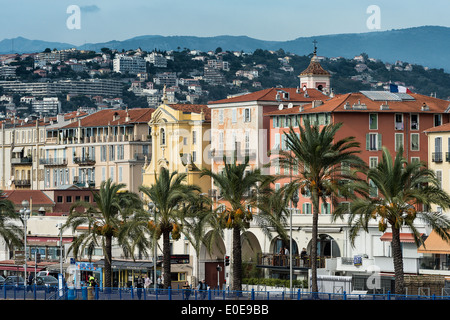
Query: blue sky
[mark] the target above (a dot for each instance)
(105, 20)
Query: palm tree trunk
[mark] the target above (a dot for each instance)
(108, 262)
(237, 260)
(398, 261)
(166, 258)
(315, 226)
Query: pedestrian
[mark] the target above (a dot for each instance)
(202, 287)
(30, 282)
(186, 290)
(139, 286)
(147, 282)
(159, 282)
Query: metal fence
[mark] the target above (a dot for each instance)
(20, 292)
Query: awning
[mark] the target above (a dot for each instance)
(404, 237)
(17, 149)
(434, 244)
(126, 264)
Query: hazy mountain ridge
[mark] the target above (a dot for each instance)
(426, 45)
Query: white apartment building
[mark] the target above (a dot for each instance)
(130, 64)
(157, 59)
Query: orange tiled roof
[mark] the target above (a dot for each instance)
(360, 102)
(442, 128)
(314, 68)
(270, 94)
(107, 116)
(17, 196)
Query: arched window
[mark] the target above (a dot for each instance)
(163, 137)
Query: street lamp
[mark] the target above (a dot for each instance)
(59, 226)
(25, 215)
(151, 207)
(294, 201)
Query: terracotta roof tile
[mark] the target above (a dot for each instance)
(107, 117)
(314, 68)
(270, 94)
(17, 196)
(359, 102)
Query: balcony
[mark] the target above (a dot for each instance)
(53, 162)
(82, 183)
(22, 183)
(218, 155)
(436, 157)
(270, 260)
(22, 160)
(84, 161)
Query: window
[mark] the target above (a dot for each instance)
(398, 141)
(69, 199)
(247, 115)
(326, 208)
(306, 208)
(220, 116)
(439, 177)
(415, 159)
(276, 145)
(414, 122)
(103, 153)
(373, 141)
(373, 162)
(398, 121)
(373, 121)
(87, 199)
(234, 115)
(247, 142)
(221, 141)
(112, 153)
(373, 190)
(59, 199)
(194, 137)
(414, 142)
(437, 154)
(437, 120)
(163, 137)
(194, 156)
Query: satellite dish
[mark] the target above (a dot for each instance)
(280, 107)
(290, 105)
(304, 88)
(26, 120)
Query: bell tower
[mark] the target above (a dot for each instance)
(315, 76)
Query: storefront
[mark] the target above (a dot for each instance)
(80, 274)
(125, 272)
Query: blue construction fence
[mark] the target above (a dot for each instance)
(20, 292)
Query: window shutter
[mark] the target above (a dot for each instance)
(367, 141)
(380, 144)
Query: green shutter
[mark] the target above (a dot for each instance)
(379, 141)
(367, 141)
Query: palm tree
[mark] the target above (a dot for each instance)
(236, 186)
(9, 231)
(197, 220)
(320, 162)
(400, 187)
(113, 207)
(168, 194)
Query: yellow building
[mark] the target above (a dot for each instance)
(439, 155)
(181, 140)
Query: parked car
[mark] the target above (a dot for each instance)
(11, 281)
(47, 282)
(2, 280)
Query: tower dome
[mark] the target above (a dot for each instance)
(315, 76)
